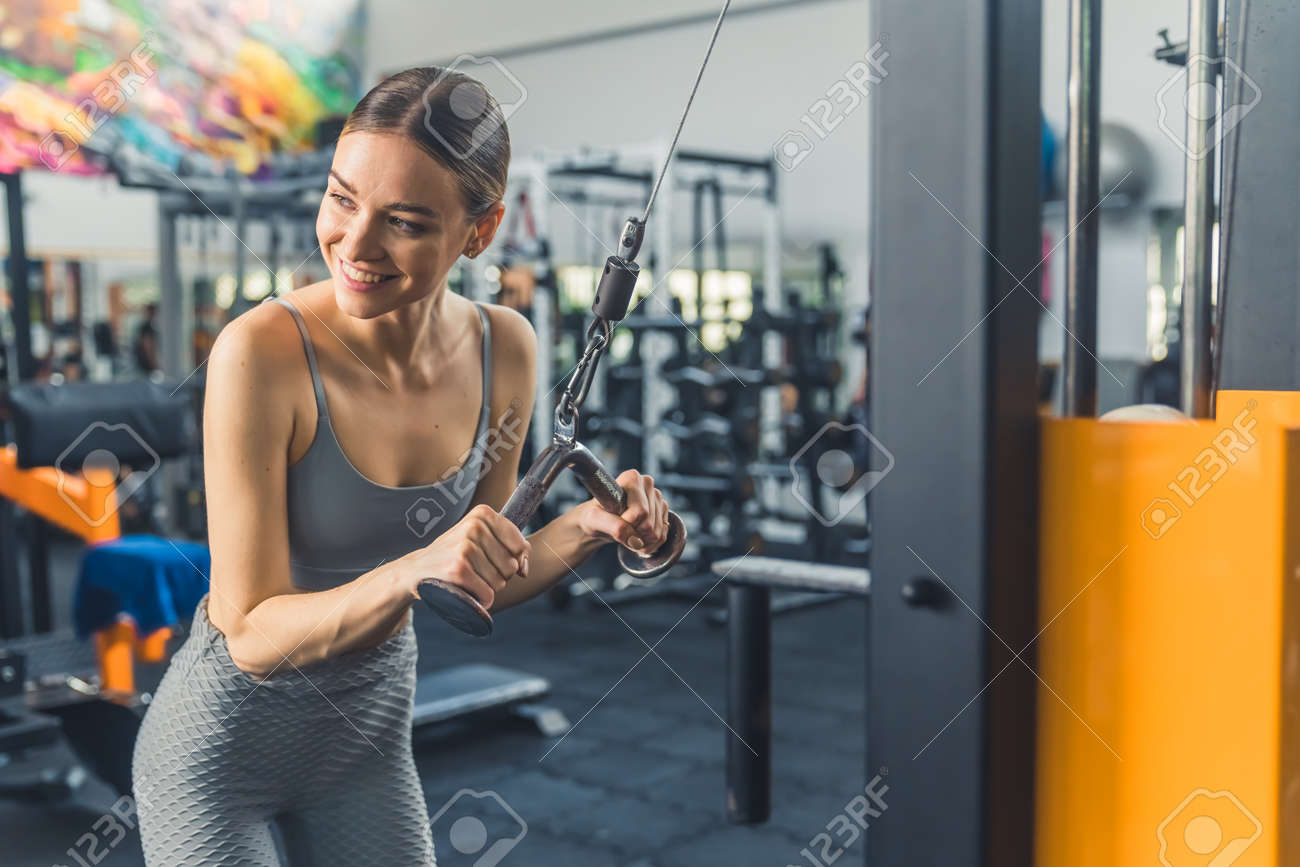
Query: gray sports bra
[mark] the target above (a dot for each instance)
(341, 524)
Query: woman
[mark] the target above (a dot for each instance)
(338, 429)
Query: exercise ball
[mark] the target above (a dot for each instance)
(1126, 169)
(1146, 412)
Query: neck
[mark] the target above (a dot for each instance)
(403, 341)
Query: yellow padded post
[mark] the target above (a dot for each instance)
(1169, 567)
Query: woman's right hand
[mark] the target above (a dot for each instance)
(479, 554)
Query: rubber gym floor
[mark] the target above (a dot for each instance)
(638, 781)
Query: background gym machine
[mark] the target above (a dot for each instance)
(734, 382)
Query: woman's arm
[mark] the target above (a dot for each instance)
(254, 375)
(254, 380)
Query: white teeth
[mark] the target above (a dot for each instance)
(362, 276)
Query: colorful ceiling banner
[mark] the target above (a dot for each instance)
(222, 82)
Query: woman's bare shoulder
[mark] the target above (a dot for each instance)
(513, 337)
(259, 353)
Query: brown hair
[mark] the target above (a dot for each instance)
(453, 118)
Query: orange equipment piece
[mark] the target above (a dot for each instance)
(1168, 730)
(85, 505)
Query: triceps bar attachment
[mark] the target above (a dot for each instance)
(613, 296)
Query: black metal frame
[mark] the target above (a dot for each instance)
(600, 168)
(19, 282)
(225, 200)
(12, 621)
(957, 119)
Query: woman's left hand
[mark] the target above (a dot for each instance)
(643, 526)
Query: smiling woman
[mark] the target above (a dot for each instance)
(329, 416)
(451, 118)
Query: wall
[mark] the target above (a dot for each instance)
(89, 217)
(765, 72)
(445, 29)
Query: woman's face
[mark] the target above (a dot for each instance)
(391, 225)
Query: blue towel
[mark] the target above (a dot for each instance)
(158, 582)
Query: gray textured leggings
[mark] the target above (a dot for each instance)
(324, 752)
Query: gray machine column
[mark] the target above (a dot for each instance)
(171, 343)
(955, 127)
(1261, 281)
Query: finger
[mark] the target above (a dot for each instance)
(492, 561)
(613, 526)
(652, 495)
(472, 583)
(508, 535)
(648, 524)
(487, 521)
(658, 508)
(661, 519)
(480, 565)
(636, 508)
(659, 528)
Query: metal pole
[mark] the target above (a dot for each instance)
(655, 396)
(273, 250)
(545, 306)
(37, 549)
(749, 704)
(19, 285)
(170, 339)
(38, 572)
(1082, 196)
(697, 237)
(12, 622)
(1198, 204)
(771, 426)
(239, 212)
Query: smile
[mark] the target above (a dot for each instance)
(362, 276)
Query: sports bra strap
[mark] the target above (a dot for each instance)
(485, 415)
(316, 383)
